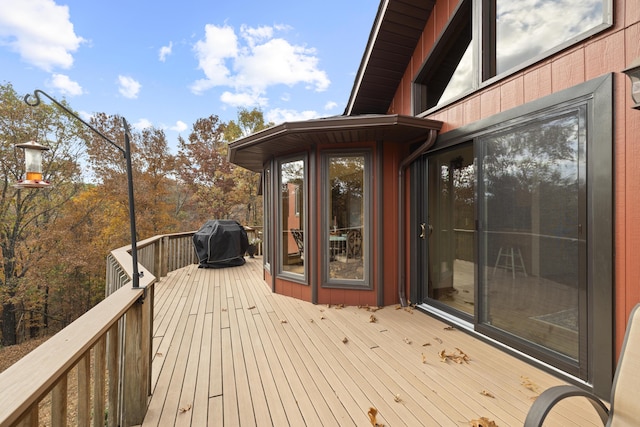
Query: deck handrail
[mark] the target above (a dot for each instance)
(115, 335)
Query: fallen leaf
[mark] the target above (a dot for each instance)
(322, 317)
(159, 354)
(185, 408)
(339, 306)
(397, 398)
(251, 308)
(483, 422)
(438, 339)
(407, 340)
(372, 417)
(311, 320)
(372, 319)
(458, 356)
(449, 328)
(398, 307)
(345, 340)
(224, 309)
(488, 394)
(424, 358)
(530, 385)
(283, 321)
(426, 344)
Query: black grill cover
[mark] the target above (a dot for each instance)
(220, 243)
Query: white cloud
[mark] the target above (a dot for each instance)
(142, 124)
(254, 61)
(220, 43)
(165, 51)
(65, 85)
(180, 126)
(40, 31)
(279, 115)
(129, 87)
(243, 99)
(330, 105)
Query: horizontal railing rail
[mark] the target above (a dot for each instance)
(108, 348)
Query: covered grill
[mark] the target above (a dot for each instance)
(220, 243)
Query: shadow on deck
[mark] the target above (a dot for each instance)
(229, 352)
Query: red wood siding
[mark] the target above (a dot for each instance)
(610, 51)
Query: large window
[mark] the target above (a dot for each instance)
(346, 218)
(293, 238)
(498, 37)
(519, 243)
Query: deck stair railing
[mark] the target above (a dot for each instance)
(108, 350)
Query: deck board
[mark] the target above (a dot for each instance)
(229, 352)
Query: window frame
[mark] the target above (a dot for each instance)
(598, 95)
(366, 283)
(301, 278)
(483, 40)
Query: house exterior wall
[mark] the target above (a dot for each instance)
(384, 239)
(607, 52)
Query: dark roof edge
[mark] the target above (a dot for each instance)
(373, 35)
(334, 123)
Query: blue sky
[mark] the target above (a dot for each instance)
(166, 64)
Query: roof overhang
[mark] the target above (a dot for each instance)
(396, 31)
(253, 151)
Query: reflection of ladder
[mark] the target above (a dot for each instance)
(510, 258)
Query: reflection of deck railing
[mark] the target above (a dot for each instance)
(109, 349)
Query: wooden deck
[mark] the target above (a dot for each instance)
(229, 352)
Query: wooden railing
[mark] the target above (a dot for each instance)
(108, 349)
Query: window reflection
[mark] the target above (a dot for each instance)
(292, 214)
(527, 28)
(346, 214)
(533, 237)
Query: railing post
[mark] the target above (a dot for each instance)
(135, 366)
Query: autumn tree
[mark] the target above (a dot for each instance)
(247, 182)
(24, 213)
(204, 168)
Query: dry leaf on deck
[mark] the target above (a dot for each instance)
(372, 417)
(345, 340)
(224, 309)
(449, 328)
(426, 344)
(185, 408)
(528, 384)
(407, 340)
(398, 307)
(424, 358)
(458, 357)
(483, 422)
(283, 321)
(488, 394)
(372, 319)
(159, 354)
(438, 339)
(397, 398)
(251, 308)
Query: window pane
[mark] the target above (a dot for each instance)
(452, 229)
(462, 78)
(292, 213)
(527, 28)
(532, 238)
(346, 214)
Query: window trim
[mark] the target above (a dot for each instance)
(366, 283)
(281, 273)
(484, 40)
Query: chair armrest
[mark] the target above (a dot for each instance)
(550, 397)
